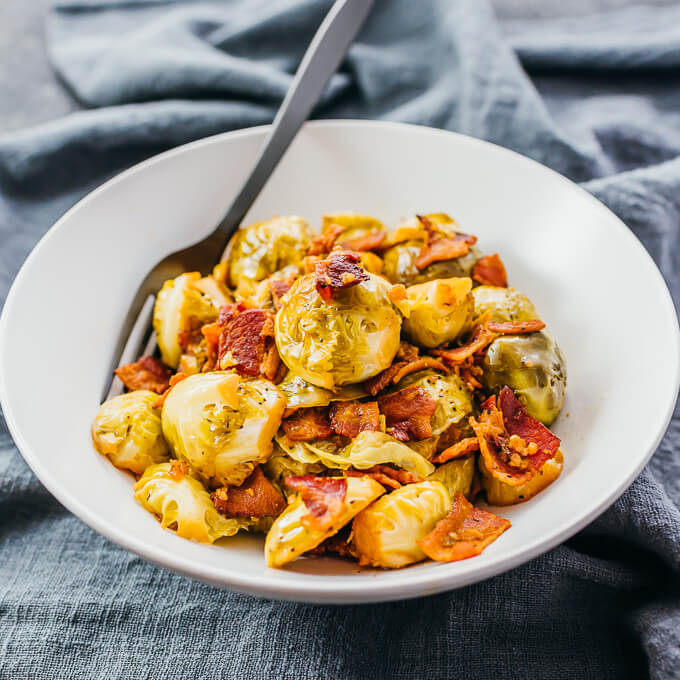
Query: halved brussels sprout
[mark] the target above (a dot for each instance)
(222, 426)
(454, 405)
(438, 311)
(127, 429)
(348, 340)
(386, 534)
(533, 366)
(456, 475)
(399, 261)
(498, 493)
(262, 248)
(181, 502)
(367, 449)
(503, 304)
(280, 465)
(180, 308)
(301, 394)
(290, 537)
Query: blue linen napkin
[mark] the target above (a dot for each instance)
(600, 106)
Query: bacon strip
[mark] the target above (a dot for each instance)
(463, 533)
(340, 270)
(307, 424)
(389, 477)
(394, 373)
(323, 243)
(516, 327)
(178, 377)
(256, 497)
(348, 418)
(408, 413)
(459, 450)
(369, 241)
(147, 373)
(324, 497)
(439, 248)
(490, 271)
(247, 340)
(481, 337)
(279, 287)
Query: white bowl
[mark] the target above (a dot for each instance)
(591, 280)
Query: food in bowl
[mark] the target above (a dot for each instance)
(350, 393)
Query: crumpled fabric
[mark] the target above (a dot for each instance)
(595, 98)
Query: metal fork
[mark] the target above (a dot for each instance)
(321, 60)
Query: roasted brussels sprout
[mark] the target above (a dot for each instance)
(356, 226)
(399, 261)
(438, 311)
(290, 536)
(364, 451)
(262, 248)
(348, 340)
(386, 534)
(498, 493)
(503, 304)
(533, 366)
(127, 429)
(180, 308)
(182, 503)
(456, 475)
(301, 394)
(221, 425)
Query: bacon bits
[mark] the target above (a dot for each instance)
(516, 327)
(408, 413)
(340, 270)
(348, 418)
(147, 373)
(324, 497)
(459, 450)
(439, 248)
(247, 341)
(323, 243)
(178, 377)
(369, 241)
(398, 370)
(389, 477)
(279, 287)
(490, 271)
(463, 533)
(481, 337)
(307, 424)
(256, 497)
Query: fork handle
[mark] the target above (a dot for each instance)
(321, 60)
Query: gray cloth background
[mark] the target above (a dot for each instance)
(599, 104)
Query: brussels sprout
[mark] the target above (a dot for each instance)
(301, 394)
(456, 475)
(348, 340)
(290, 537)
(386, 534)
(533, 366)
(280, 465)
(222, 426)
(364, 451)
(180, 308)
(503, 304)
(498, 493)
(181, 502)
(438, 311)
(355, 225)
(127, 429)
(262, 248)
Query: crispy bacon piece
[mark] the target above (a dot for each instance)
(459, 450)
(369, 241)
(513, 445)
(394, 373)
(490, 270)
(178, 468)
(324, 497)
(348, 418)
(481, 337)
(211, 332)
(247, 337)
(516, 327)
(519, 423)
(340, 270)
(389, 477)
(147, 373)
(279, 287)
(307, 424)
(336, 545)
(438, 248)
(178, 377)
(256, 497)
(323, 243)
(408, 413)
(463, 533)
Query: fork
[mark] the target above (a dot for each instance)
(321, 60)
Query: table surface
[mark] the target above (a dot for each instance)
(31, 93)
